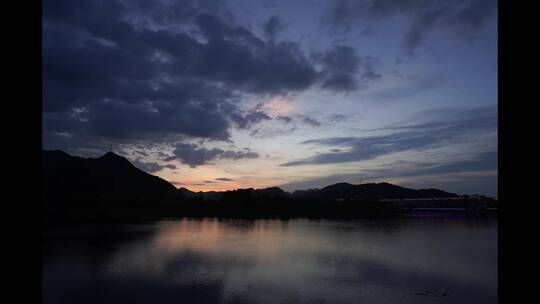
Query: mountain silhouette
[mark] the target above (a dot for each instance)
(113, 178)
(109, 179)
(91, 187)
(372, 191)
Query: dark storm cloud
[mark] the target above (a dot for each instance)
(124, 78)
(120, 119)
(462, 18)
(344, 70)
(411, 137)
(140, 70)
(236, 56)
(194, 155)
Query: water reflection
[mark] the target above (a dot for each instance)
(273, 261)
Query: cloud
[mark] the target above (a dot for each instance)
(194, 155)
(413, 86)
(312, 122)
(479, 162)
(486, 161)
(177, 183)
(343, 70)
(131, 71)
(224, 179)
(237, 57)
(420, 136)
(125, 92)
(461, 176)
(140, 152)
(462, 19)
(420, 26)
(150, 167)
(284, 118)
(236, 155)
(273, 26)
(336, 118)
(249, 119)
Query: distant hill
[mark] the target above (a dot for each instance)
(109, 179)
(80, 186)
(272, 192)
(211, 195)
(370, 191)
(113, 178)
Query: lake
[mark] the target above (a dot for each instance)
(412, 260)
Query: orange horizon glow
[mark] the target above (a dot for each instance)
(218, 186)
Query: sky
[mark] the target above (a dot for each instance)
(214, 95)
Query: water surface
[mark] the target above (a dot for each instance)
(274, 261)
